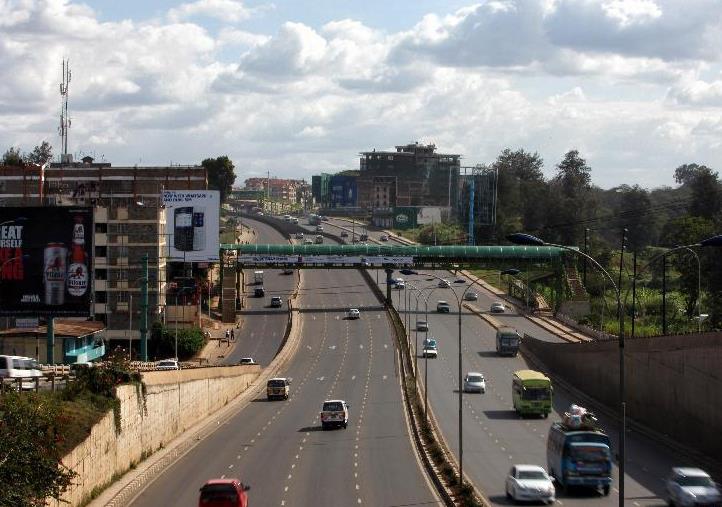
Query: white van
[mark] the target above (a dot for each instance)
(258, 277)
(19, 367)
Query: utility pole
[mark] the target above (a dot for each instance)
(144, 311)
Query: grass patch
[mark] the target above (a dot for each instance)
(78, 416)
(412, 234)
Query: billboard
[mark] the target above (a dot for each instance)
(46, 259)
(192, 222)
(428, 215)
(405, 217)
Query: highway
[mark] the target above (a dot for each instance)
(495, 438)
(278, 447)
(262, 328)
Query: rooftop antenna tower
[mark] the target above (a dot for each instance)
(64, 118)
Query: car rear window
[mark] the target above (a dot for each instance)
(475, 378)
(166, 363)
(218, 493)
(276, 383)
(332, 407)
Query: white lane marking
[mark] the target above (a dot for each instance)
(223, 476)
(361, 345)
(384, 377)
(353, 377)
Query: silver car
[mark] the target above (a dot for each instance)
(691, 486)
(422, 325)
(474, 383)
(471, 296)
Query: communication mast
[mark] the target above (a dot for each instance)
(64, 118)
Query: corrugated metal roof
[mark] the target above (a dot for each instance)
(69, 328)
(541, 253)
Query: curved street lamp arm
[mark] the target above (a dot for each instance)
(657, 257)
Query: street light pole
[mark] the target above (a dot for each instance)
(459, 301)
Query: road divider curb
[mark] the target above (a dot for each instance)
(488, 318)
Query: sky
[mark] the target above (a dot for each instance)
(296, 88)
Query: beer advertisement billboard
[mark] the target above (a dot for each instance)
(46, 258)
(192, 224)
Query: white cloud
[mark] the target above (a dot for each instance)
(698, 93)
(634, 85)
(630, 12)
(231, 11)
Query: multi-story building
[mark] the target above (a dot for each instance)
(277, 188)
(413, 175)
(129, 223)
(342, 191)
(320, 189)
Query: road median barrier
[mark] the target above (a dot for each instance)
(432, 450)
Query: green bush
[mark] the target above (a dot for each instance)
(30, 433)
(190, 341)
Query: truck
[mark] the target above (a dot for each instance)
(507, 341)
(579, 455)
(258, 277)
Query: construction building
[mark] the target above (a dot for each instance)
(413, 175)
(129, 223)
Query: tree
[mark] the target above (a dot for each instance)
(687, 231)
(30, 433)
(636, 213)
(520, 187)
(220, 175)
(704, 183)
(570, 200)
(12, 157)
(40, 154)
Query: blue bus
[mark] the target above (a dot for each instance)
(579, 457)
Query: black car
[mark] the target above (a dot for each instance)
(276, 302)
(344, 234)
(259, 292)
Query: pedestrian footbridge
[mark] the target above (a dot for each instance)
(385, 256)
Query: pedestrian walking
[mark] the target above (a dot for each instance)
(228, 334)
(233, 336)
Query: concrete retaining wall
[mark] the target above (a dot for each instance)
(673, 383)
(174, 401)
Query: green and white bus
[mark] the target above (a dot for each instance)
(532, 393)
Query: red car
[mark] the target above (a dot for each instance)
(223, 493)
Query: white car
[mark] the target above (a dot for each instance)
(353, 313)
(691, 486)
(167, 364)
(430, 349)
(474, 383)
(444, 284)
(530, 483)
(384, 237)
(247, 360)
(422, 325)
(334, 413)
(497, 307)
(400, 284)
(287, 218)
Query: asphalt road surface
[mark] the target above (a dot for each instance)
(263, 327)
(495, 438)
(279, 448)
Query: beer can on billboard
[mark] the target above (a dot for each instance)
(54, 272)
